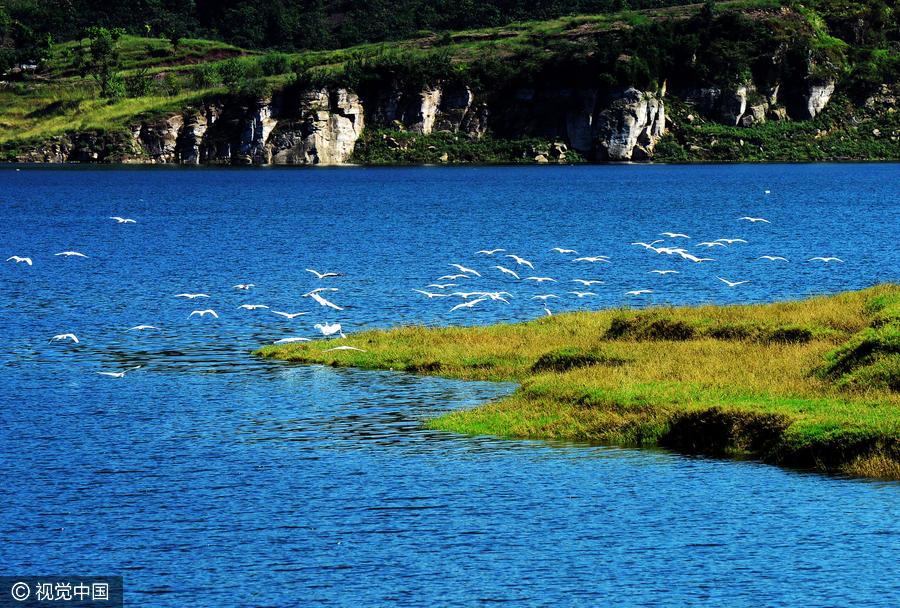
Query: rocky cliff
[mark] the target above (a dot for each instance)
(321, 127)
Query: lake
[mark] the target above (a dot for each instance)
(206, 477)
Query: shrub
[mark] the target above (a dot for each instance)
(650, 327)
(274, 64)
(231, 72)
(205, 76)
(171, 84)
(255, 88)
(869, 358)
(884, 309)
(139, 84)
(564, 359)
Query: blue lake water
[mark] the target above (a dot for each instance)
(209, 478)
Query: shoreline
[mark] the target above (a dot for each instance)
(630, 163)
(809, 384)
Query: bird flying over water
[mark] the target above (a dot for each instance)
(324, 302)
(521, 261)
(191, 296)
(826, 260)
(121, 373)
(585, 282)
(506, 270)
(289, 315)
(468, 304)
(122, 220)
(244, 286)
(252, 306)
(66, 337)
(694, 258)
(771, 257)
(754, 219)
(597, 258)
(464, 269)
(490, 252)
(497, 295)
(71, 253)
(322, 275)
(731, 283)
(140, 327)
(638, 292)
(432, 295)
(648, 245)
(561, 250)
(20, 259)
(203, 312)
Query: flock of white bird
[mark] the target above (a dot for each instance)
(674, 244)
(326, 329)
(512, 268)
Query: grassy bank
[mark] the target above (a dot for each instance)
(809, 384)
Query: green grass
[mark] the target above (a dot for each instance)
(62, 102)
(40, 119)
(770, 380)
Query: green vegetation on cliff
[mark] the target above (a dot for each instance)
(813, 383)
(843, 131)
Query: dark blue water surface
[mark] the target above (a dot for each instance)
(209, 478)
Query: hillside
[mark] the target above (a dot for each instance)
(741, 81)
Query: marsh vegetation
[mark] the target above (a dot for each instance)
(811, 383)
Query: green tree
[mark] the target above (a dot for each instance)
(708, 12)
(175, 38)
(31, 46)
(5, 22)
(99, 59)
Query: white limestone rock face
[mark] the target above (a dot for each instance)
(258, 125)
(630, 126)
(819, 95)
(732, 105)
(429, 103)
(330, 123)
(435, 108)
